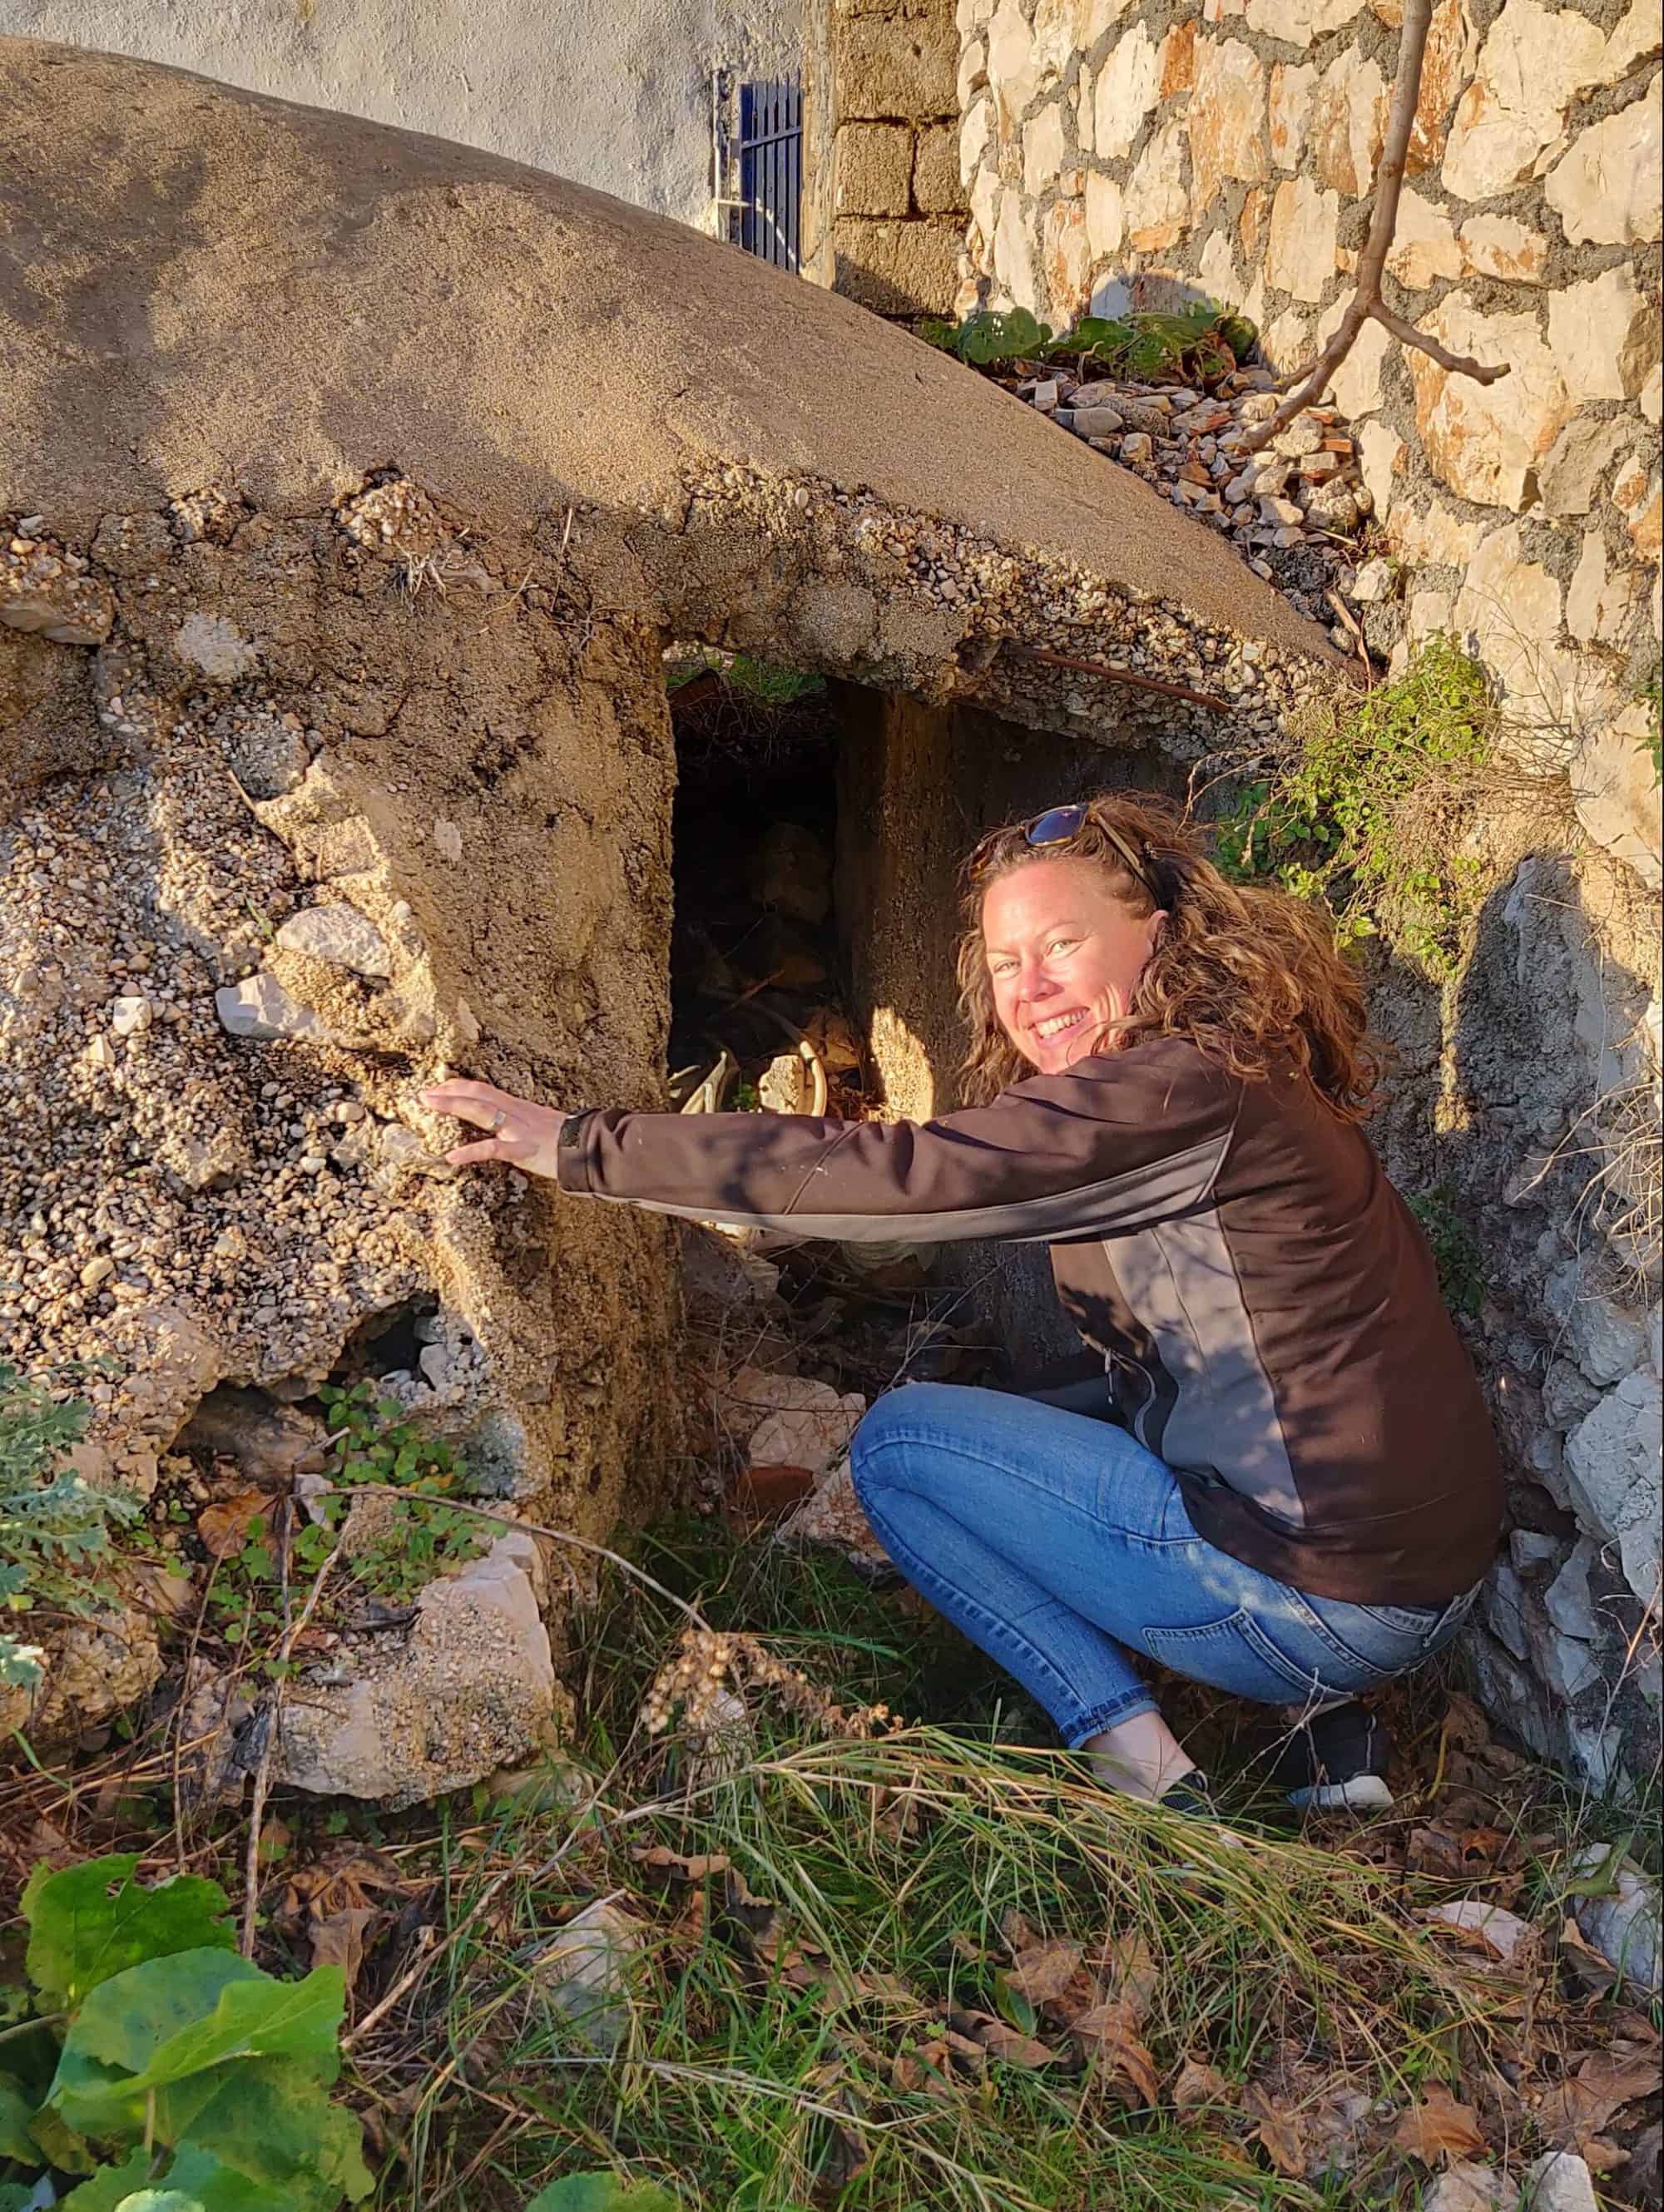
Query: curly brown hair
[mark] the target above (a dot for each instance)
(1250, 976)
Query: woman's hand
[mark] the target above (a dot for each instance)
(524, 1135)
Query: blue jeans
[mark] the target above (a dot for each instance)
(1060, 1545)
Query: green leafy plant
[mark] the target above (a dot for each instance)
(1652, 696)
(171, 2073)
(1334, 825)
(1203, 340)
(53, 1523)
(373, 1441)
(1456, 1249)
(601, 2191)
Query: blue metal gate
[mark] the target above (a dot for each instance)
(770, 150)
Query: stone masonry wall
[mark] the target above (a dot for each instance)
(1136, 153)
(885, 211)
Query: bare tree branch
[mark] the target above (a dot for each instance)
(1366, 301)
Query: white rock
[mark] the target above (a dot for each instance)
(1292, 89)
(1534, 62)
(1225, 120)
(1424, 244)
(1502, 1931)
(1652, 396)
(1013, 260)
(1624, 1928)
(1345, 128)
(1465, 2187)
(97, 1271)
(1571, 474)
(590, 1971)
(1509, 608)
(1501, 246)
(811, 1436)
(1529, 1548)
(1614, 790)
(832, 1515)
(1158, 206)
(447, 840)
(1486, 441)
(129, 1015)
(1042, 148)
(1379, 451)
(1106, 215)
(1567, 1601)
(1300, 254)
(1598, 604)
(1128, 87)
(1375, 583)
(261, 1008)
(1607, 190)
(339, 934)
(1558, 2182)
(213, 645)
(1013, 68)
(1607, 1340)
(1605, 336)
(1613, 1469)
(1298, 22)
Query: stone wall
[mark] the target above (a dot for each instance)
(1135, 153)
(884, 211)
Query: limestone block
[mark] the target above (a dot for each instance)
(338, 934)
(1509, 608)
(1558, 2182)
(1425, 243)
(1156, 197)
(1605, 1340)
(1106, 216)
(896, 268)
(973, 72)
(1292, 88)
(1616, 795)
(936, 184)
(1216, 268)
(1575, 463)
(1500, 246)
(872, 168)
(832, 1515)
(1529, 1548)
(1634, 494)
(1128, 87)
(1609, 188)
(1298, 22)
(1446, 66)
(1013, 66)
(1434, 536)
(1466, 2187)
(889, 67)
(1603, 336)
(1486, 441)
(1226, 119)
(1639, 37)
(1613, 1467)
(1380, 453)
(1013, 261)
(1065, 258)
(1599, 603)
(1042, 148)
(1504, 1607)
(1567, 1601)
(1652, 396)
(1534, 62)
(1300, 254)
(1062, 29)
(1347, 123)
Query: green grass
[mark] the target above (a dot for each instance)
(1367, 816)
(777, 2038)
(759, 681)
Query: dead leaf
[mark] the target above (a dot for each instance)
(1019, 1936)
(1044, 1971)
(340, 1941)
(1279, 2133)
(224, 1527)
(1503, 1934)
(1600, 2154)
(927, 2066)
(1014, 2047)
(1133, 1974)
(679, 1865)
(1112, 2031)
(1438, 2127)
(1199, 2084)
(1604, 2082)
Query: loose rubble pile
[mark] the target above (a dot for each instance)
(1294, 510)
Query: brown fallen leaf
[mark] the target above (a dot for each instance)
(340, 1941)
(224, 1527)
(1198, 2084)
(1279, 2133)
(1018, 1935)
(1438, 2127)
(1604, 2082)
(1044, 1971)
(999, 2041)
(680, 1866)
(927, 2066)
(1110, 2032)
(1134, 1977)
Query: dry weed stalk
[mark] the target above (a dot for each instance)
(1366, 301)
(709, 1667)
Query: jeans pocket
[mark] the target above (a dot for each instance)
(1418, 1620)
(1234, 1655)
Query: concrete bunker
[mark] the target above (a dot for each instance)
(338, 753)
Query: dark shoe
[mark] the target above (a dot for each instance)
(1337, 1762)
(1193, 1794)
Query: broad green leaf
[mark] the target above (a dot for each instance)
(16, 2195)
(16, 2111)
(110, 2186)
(207, 2182)
(268, 2118)
(93, 1921)
(160, 2200)
(127, 2023)
(61, 2146)
(601, 2191)
(257, 2019)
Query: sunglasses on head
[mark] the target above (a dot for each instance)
(1058, 825)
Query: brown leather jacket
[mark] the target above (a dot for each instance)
(1266, 1306)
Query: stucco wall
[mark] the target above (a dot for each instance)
(610, 93)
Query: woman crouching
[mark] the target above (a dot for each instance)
(1285, 1483)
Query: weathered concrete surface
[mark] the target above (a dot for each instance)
(614, 93)
(204, 284)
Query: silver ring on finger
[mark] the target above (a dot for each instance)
(497, 1121)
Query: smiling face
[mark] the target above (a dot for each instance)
(1063, 957)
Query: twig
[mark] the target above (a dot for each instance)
(1366, 301)
(1120, 676)
(1354, 628)
(263, 1772)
